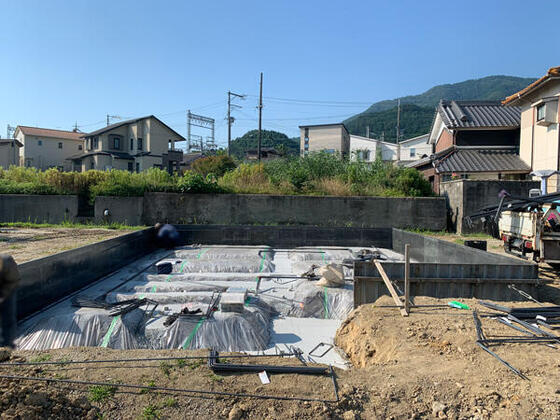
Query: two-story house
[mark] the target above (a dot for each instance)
(473, 140)
(367, 149)
(330, 138)
(540, 135)
(9, 152)
(133, 145)
(44, 148)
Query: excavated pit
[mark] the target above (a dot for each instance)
(280, 310)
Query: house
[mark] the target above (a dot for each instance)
(473, 140)
(415, 148)
(9, 152)
(267, 153)
(44, 148)
(134, 145)
(331, 138)
(366, 149)
(540, 135)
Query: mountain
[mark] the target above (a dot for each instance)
(382, 116)
(279, 141)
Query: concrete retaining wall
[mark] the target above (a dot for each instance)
(38, 208)
(443, 269)
(285, 236)
(237, 209)
(49, 279)
(465, 197)
(127, 210)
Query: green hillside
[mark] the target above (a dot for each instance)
(382, 116)
(279, 141)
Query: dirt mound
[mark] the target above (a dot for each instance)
(39, 401)
(428, 365)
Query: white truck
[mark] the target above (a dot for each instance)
(536, 232)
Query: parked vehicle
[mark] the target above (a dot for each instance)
(527, 226)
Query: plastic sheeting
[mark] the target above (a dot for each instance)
(221, 253)
(86, 327)
(198, 275)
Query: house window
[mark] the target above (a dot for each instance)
(541, 112)
(412, 152)
(116, 143)
(139, 143)
(80, 147)
(137, 166)
(95, 142)
(130, 166)
(40, 142)
(330, 151)
(366, 155)
(92, 165)
(60, 145)
(131, 144)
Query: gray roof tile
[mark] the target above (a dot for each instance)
(483, 159)
(478, 114)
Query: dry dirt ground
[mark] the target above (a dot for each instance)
(26, 244)
(424, 366)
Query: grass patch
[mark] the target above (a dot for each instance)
(71, 225)
(41, 358)
(151, 384)
(170, 402)
(150, 412)
(100, 393)
(215, 378)
(459, 241)
(165, 368)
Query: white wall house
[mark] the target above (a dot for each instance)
(362, 148)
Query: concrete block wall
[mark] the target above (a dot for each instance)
(38, 208)
(465, 197)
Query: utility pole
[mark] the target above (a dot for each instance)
(260, 119)
(398, 120)
(367, 131)
(398, 130)
(230, 119)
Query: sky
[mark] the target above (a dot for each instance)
(73, 62)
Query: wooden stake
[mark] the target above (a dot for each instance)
(390, 287)
(406, 279)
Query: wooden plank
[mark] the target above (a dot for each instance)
(406, 279)
(390, 287)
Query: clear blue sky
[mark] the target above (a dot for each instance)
(75, 61)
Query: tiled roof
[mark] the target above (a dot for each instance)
(126, 122)
(9, 141)
(553, 72)
(478, 114)
(481, 159)
(47, 132)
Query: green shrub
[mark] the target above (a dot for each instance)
(216, 165)
(315, 174)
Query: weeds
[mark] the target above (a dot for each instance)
(41, 358)
(150, 412)
(170, 402)
(215, 378)
(165, 368)
(315, 174)
(100, 393)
